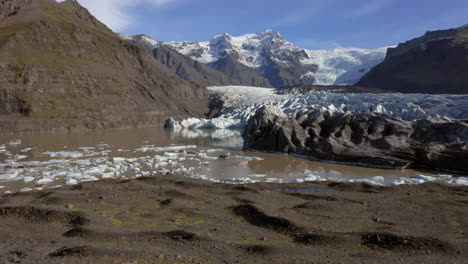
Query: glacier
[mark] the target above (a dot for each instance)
(241, 102)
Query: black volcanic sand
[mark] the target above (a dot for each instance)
(179, 220)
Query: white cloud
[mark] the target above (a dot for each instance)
(115, 13)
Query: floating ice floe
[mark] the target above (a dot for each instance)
(27, 189)
(376, 180)
(10, 174)
(15, 143)
(462, 181)
(64, 154)
(152, 148)
(248, 158)
(257, 175)
(26, 150)
(90, 163)
(441, 178)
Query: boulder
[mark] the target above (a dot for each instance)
(271, 130)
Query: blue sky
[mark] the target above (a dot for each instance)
(312, 24)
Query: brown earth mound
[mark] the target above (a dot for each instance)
(179, 220)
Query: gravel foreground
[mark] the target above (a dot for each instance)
(179, 220)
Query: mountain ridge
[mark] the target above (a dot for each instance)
(61, 69)
(436, 62)
(282, 63)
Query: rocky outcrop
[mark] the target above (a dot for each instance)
(434, 63)
(61, 69)
(361, 138)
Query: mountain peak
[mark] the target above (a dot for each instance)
(224, 36)
(270, 32)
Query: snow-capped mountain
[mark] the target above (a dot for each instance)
(259, 51)
(269, 55)
(250, 49)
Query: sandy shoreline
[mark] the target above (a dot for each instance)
(180, 220)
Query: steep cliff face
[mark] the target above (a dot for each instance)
(61, 69)
(434, 63)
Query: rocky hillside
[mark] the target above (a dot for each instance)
(434, 63)
(267, 59)
(61, 69)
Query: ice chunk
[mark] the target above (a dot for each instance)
(64, 154)
(28, 179)
(15, 143)
(376, 180)
(257, 175)
(459, 181)
(163, 149)
(26, 150)
(45, 181)
(248, 158)
(10, 174)
(71, 181)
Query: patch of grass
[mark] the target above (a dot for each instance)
(457, 231)
(361, 246)
(459, 195)
(361, 209)
(117, 221)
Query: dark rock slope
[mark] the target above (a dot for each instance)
(239, 73)
(434, 63)
(227, 71)
(359, 138)
(188, 69)
(223, 72)
(61, 69)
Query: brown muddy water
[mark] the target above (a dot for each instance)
(39, 161)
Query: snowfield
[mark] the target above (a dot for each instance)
(241, 102)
